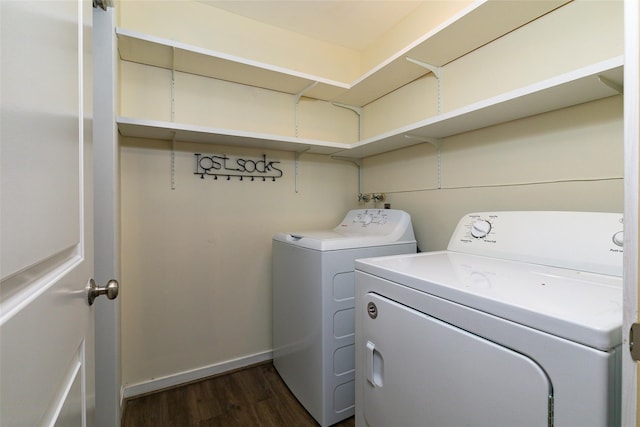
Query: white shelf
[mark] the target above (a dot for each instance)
(573, 88)
(566, 90)
(154, 129)
(478, 24)
(473, 27)
(169, 54)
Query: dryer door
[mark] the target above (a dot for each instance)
(420, 371)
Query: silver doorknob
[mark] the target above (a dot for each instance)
(111, 290)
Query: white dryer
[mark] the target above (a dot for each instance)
(517, 323)
(313, 305)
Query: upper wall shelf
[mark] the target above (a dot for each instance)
(167, 131)
(482, 22)
(597, 81)
(169, 54)
(591, 83)
(475, 26)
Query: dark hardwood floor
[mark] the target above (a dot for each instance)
(250, 397)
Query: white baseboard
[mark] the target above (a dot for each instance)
(156, 384)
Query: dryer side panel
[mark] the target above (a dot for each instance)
(419, 370)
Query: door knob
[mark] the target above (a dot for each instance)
(111, 290)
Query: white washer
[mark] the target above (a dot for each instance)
(518, 323)
(313, 305)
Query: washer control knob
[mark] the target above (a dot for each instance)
(618, 238)
(366, 220)
(480, 228)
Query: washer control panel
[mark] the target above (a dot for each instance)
(360, 228)
(373, 221)
(370, 217)
(590, 241)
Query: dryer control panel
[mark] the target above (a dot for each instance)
(586, 241)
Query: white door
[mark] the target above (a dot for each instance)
(630, 373)
(46, 256)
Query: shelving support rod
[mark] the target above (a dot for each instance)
(436, 142)
(357, 162)
(613, 85)
(173, 161)
(173, 117)
(437, 71)
(296, 167)
(297, 102)
(357, 110)
(173, 84)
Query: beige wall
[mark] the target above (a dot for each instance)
(429, 15)
(218, 30)
(196, 261)
(571, 159)
(197, 24)
(574, 36)
(146, 93)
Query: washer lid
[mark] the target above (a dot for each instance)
(582, 307)
(360, 228)
(332, 240)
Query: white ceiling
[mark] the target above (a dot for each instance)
(355, 24)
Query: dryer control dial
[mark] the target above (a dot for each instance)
(480, 228)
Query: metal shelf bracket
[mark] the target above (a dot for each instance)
(297, 102)
(357, 110)
(437, 71)
(613, 85)
(357, 162)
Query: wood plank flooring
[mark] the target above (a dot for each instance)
(250, 397)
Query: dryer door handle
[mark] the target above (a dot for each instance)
(375, 365)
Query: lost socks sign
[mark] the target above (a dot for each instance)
(226, 167)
